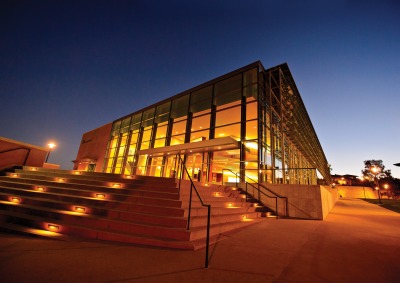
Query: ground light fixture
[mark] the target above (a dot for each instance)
(15, 200)
(53, 227)
(40, 189)
(80, 209)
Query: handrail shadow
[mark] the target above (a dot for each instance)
(276, 196)
(193, 187)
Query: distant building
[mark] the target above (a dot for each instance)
(14, 152)
(251, 120)
(346, 180)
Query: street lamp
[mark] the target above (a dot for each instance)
(386, 186)
(376, 172)
(51, 145)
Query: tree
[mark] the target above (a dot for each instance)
(374, 171)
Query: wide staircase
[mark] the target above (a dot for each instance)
(140, 210)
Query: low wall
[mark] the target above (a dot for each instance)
(357, 192)
(304, 201)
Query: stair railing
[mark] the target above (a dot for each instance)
(27, 154)
(183, 170)
(276, 196)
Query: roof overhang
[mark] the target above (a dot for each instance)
(195, 147)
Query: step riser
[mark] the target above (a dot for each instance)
(70, 225)
(66, 183)
(140, 210)
(89, 193)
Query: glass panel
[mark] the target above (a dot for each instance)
(116, 125)
(229, 116)
(177, 139)
(126, 122)
(228, 90)
(250, 77)
(251, 130)
(162, 112)
(121, 151)
(132, 149)
(202, 122)
(141, 167)
(179, 127)
(232, 130)
(123, 139)
(161, 131)
(251, 111)
(250, 92)
(159, 143)
(114, 142)
(201, 99)
(134, 137)
(251, 151)
(199, 136)
(146, 135)
(180, 106)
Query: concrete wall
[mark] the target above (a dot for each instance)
(36, 157)
(304, 201)
(357, 192)
(93, 148)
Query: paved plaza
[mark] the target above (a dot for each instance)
(357, 242)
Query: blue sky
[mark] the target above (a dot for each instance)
(67, 67)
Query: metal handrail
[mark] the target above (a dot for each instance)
(192, 186)
(259, 191)
(26, 148)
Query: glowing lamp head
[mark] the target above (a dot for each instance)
(16, 199)
(40, 189)
(80, 209)
(51, 145)
(53, 227)
(100, 196)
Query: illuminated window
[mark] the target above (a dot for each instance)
(228, 116)
(232, 130)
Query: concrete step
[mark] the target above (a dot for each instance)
(72, 181)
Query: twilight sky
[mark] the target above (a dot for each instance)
(67, 67)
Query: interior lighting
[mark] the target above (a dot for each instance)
(53, 227)
(243, 196)
(77, 173)
(116, 185)
(60, 179)
(14, 175)
(230, 204)
(244, 217)
(33, 169)
(255, 204)
(217, 194)
(128, 176)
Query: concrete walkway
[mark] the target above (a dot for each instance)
(358, 242)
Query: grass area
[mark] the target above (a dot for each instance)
(392, 204)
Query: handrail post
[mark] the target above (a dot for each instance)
(276, 205)
(208, 234)
(190, 208)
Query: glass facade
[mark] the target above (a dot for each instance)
(260, 109)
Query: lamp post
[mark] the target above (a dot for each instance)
(51, 145)
(376, 172)
(386, 186)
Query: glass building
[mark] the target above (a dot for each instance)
(251, 121)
